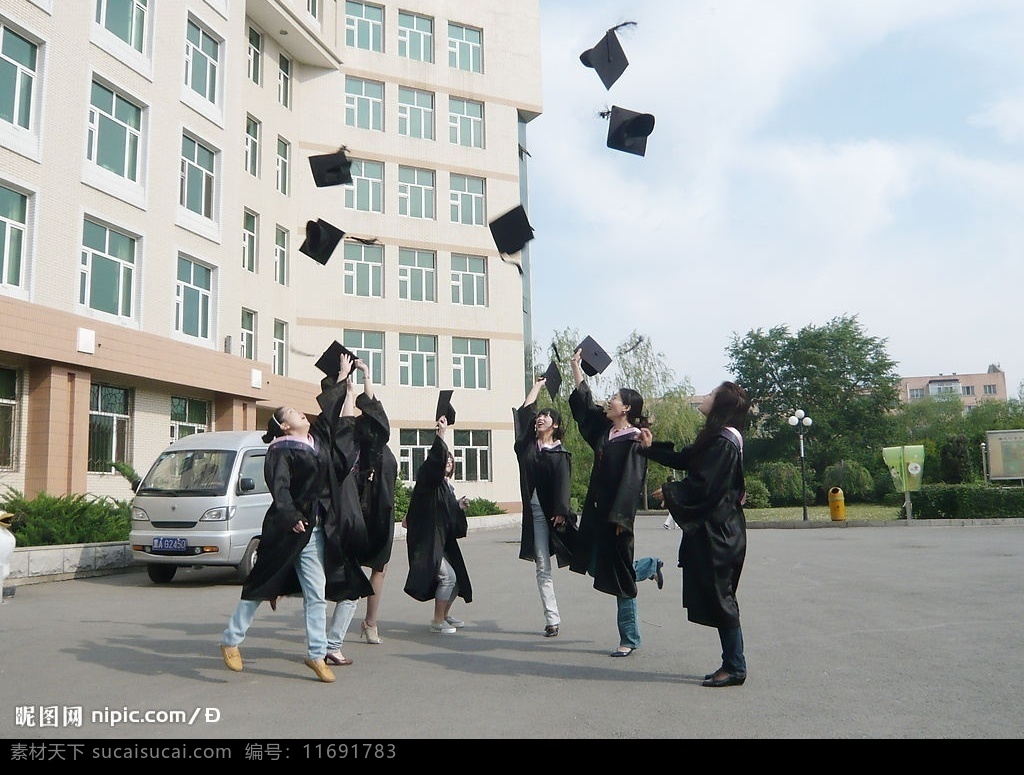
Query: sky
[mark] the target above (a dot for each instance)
(810, 159)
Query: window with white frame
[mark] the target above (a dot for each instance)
(472, 452)
(466, 196)
(284, 155)
(250, 239)
(13, 224)
(368, 346)
(110, 411)
(247, 337)
(8, 417)
(465, 48)
(417, 360)
(280, 364)
(202, 60)
(989, 390)
(124, 18)
(364, 269)
(916, 393)
(364, 103)
(255, 65)
(367, 189)
(17, 77)
(469, 363)
(414, 444)
(281, 255)
(106, 272)
(192, 298)
(415, 113)
(364, 26)
(188, 416)
(469, 280)
(967, 390)
(415, 37)
(252, 146)
(284, 81)
(313, 8)
(197, 177)
(115, 132)
(417, 274)
(415, 192)
(466, 122)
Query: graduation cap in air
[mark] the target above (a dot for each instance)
(331, 169)
(512, 230)
(628, 130)
(593, 359)
(330, 362)
(444, 407)
(607, 57)
(553, 380)
(321, 240)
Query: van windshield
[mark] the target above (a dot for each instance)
(189, 472)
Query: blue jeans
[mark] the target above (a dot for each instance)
(733, 660)
(542, 559)
(626, 610)
(344, 610)
(310, 568)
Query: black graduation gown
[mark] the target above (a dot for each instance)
(434, 522)
(549, 472)
(378, 473)
(613, 496)
(707, 506)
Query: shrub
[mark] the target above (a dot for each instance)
(478, 507)
(955, 461)
(966, 501)
(402, 495)
(481, 507)
(49, 520)
(852, 478)
(783, 482)
(757, 494)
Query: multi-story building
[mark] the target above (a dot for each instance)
(971, 388)
(155, 190)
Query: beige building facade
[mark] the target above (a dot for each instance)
(155, 189)
(971, 388)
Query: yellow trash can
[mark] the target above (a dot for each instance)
(837, 504)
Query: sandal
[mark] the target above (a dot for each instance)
(622, 651)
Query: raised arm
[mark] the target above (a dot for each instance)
(577, 369)
(531, 397)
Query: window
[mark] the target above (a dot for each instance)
(467, 200)
(188, 416)
(247, 340)
(414, 445)
(202, 57)
(367, 189)
(469, 280)
(13, 219)
(415, 192)
(284, 81)
(109, 418)
(368, 346)
(280, 364)
(415, 37)
(124, 18)
(469, 363)
(916, 393)
(313, 8)
(465, 48)
(255, 56)
(192, 299)
(416, 274)
(967, 390)
(281, 255)
(250, 239)
(114, 132)
(197, 177)
(417, 360)
(364, 103)
(106, 272)
(472, 453)
(989, 390)
(252, 146)
(8, 415)
(364, 269)
(364, 26)
(415, 113)
(17, 77)
(284, 154)
(466, 122)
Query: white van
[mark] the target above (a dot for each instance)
(201, 504)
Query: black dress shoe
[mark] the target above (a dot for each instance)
(721, 679)
(711, 675)
(659, 576)
(620, 653)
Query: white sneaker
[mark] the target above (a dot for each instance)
(456, 623)
(443, 626)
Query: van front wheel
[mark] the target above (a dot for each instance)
(161, 574)
(244, 568)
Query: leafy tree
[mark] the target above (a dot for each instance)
(783, 482)
(955, 461)
(852, 478)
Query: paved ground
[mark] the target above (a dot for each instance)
(863, 632)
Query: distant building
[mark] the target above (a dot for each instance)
(972, 388)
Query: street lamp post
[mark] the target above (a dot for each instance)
(801, 422)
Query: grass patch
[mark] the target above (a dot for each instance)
(871, 512)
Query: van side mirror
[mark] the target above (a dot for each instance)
(246, 484)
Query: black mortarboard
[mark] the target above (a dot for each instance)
(512, 230)
(330, 362)
(444, 407)
(628, 130)
(607, 57)
(321, 240)
(593, 359)
(553, 380)
(331, 169)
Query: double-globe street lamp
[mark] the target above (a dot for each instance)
(801, 422)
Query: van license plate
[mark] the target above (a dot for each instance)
(170, 544)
